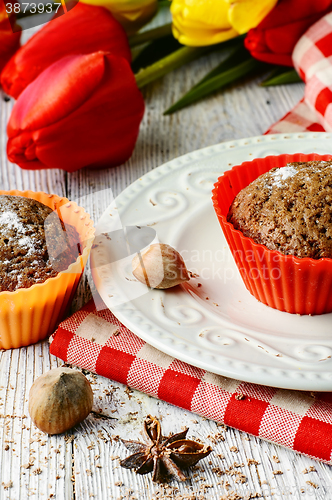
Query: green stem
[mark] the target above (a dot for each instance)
(148, 36)
(164, 3)
(169, 63)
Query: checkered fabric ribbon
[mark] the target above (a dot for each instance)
(312, 58)
(95, 340)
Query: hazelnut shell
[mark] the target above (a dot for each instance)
(160, 266)
(60, 399)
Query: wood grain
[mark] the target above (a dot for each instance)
(85, 463)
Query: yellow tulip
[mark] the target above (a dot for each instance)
(132, 14)
(206, 22)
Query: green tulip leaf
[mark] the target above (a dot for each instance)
(176, 59)
(149, 35)
(156, 50)
(238, 55)
(281, 76)
(237, 65)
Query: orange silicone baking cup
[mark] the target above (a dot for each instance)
(28, 315)
(284, 282)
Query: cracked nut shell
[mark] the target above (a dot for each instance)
(160, 266)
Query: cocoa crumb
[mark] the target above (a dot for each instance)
(234, 449)
(68, 439)
(29, 464)
(240, 478)
(232, 495)
(277, 472)
(276, 459)
(216, 437)
(311, 469)
(218, 471)
(8, 485)
(240, 396)
(314, 485)
(251, 461)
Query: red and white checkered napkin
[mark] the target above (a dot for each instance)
(96, 340)
(312, 58)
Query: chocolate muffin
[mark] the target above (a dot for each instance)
(288, 209)
(34, 243)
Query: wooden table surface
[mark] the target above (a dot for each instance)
(84, 463)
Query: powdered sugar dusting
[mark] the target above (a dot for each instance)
(12, 221)
(283, 173)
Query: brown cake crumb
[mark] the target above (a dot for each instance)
(27, 229)
(288, 209)
(314, 485)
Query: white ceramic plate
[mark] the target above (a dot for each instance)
(211, 322)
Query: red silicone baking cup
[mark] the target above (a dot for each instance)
(284, 282)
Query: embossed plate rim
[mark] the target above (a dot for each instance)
(161, 338)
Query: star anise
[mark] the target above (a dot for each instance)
(163, 456)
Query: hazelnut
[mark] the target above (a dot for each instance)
(160, 266)
(60, 399)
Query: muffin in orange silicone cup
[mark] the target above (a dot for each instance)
(28, 315)
(285, 282)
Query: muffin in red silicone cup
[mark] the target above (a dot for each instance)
(298, 285)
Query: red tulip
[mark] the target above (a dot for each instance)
(82, 111)
(9, 41)
(275, 37)
(83, 30)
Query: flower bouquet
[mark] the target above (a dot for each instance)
(78, 87)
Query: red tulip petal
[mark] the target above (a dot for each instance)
(57, 92)
(274, 39)
(103, 131)
(100, 133)
(83, 30)
(9, 42)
